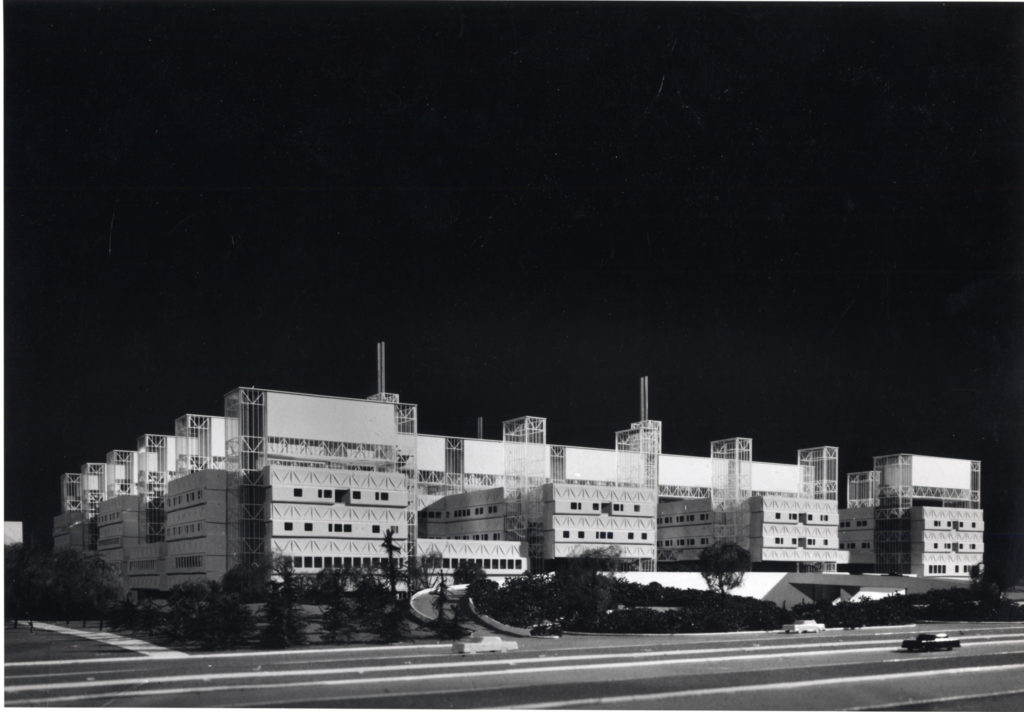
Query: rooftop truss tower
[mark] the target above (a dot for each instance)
(156, 463)
(246, 456)
(71, 492)
(120, 473)
(637, 450)
(195, 447)
(892, 513)
(819, 472)
(407, 425)
(862, 489)
(730, 489)
(525, 441)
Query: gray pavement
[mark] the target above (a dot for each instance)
(834, 670)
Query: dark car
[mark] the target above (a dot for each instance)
(931, 641)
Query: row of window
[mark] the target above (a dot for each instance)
(956, 525)
(475, 511)
(108, 541)
(338, 528)
(342, 562)
(596, 507)
(605, 535)
(800, 517)
(684, 518)
(477, 537)
(860, 523)
(186, 497)
(192, 561)
(954, 546)
(339, 495)
(796, 542)
(690, 541)
(853, 545)
(492, 564)
(194, 528)
(143, 565)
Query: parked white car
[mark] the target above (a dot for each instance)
(804, 626)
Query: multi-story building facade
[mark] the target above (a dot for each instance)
(914, 514)
(320, 480)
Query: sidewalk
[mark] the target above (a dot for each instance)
(134, 645)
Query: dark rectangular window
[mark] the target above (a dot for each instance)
(376, 529)
(287, 526)
(297, 492)
(318, 562)
(308, 526)
(357, 495)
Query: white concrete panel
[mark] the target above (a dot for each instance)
(217, 437)
(484, 457)
(684, 471)
(172, 452)
(774, 477)
(291, 415)
(430, 453)
(589, 464)
(930, 471)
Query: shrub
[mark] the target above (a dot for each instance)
(201, 612)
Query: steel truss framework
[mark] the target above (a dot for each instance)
(195, 445)
(525, 441)
(892, 513)
(403, 458)
(819, 472)
(862, 489)
(366, 455)
(454, 465)
(678, 492)
(71, 492)
(246, 448)
(558, 463)
(730, 489)
(636, 454)
(155, 468)
(120, 473)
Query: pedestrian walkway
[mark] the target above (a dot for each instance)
(135, 645)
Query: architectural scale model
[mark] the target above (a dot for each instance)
(320, 479)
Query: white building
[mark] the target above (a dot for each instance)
(321, 479)
(914, 514)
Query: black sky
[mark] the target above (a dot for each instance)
(803, 222)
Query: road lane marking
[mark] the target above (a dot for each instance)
(937, 700)
(138, 693)
(764, 651)
(503, 660)
(762, 687)
(237, 654)
(364, 681)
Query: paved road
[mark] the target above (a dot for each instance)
(835, 670)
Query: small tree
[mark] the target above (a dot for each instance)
(283, 616)
(391, 548)
(468, 572)
(335, 605)
(378, 609)
(723, 565)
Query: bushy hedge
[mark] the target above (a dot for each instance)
(589, 602)
(603, 604)
(977, 603)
